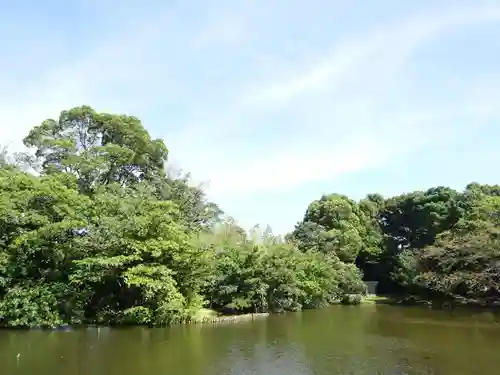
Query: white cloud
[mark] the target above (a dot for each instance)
(348, 106)
(230, 27)
(390, 44)
(286, 169)
(340, 92)
(116, 61)
(394, 139)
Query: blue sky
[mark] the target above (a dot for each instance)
(272, 103)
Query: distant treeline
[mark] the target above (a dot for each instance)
(436, 245)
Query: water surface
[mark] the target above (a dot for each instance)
(357, 340)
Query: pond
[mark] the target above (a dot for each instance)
(357, 340)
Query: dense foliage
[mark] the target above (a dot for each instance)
(437, 245)
(93, 229)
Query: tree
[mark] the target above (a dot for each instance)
(332, 225)
(139, 262)
(102, 234)
(410, 222)
(369, 259)
(197, 212)
(414, 220)
(270, 275)
(463, 265)
(98, 148)
(39, 221)
(409, 242)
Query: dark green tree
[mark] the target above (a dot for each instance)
(98, 148)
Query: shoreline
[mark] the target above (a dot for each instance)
(208, 316)
(219, 319)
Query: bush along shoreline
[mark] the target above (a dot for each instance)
(96, 228)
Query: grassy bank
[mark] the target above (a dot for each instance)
(374, 299)
(395, 300)
(212, 316)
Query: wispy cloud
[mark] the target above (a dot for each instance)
(228, 25)
(240, 109)
(390, 44)
(345, 85)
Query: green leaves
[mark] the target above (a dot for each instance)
(437, 244)
(104, 235)
(31, 305)
(104, 220)
(333, 225)
(275, 276)
(98, 148)
(463, 265)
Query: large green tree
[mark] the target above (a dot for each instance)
(98, 148)
(433, 244)
(39, 219)
(409, 222)
(463, 265)
(332, 225)
(198, 213)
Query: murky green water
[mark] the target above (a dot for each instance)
(374, 339)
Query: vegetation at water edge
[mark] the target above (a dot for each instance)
(95, 229)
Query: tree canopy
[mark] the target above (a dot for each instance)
(99, 232)
(436, 245)
(94, 228)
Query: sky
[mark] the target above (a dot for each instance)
(270, 104)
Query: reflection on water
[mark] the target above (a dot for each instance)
(374, 339)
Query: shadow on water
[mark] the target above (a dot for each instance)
(358, 340)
